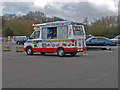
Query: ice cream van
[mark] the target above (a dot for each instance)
(63, 37)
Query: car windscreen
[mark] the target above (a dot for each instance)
(78, 30)
(89, 39)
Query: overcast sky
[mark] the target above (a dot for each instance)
(76, 11)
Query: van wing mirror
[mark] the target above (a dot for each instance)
(30, 37)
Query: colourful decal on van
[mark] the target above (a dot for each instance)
(57, 44)
(35, 45)
(69, 44)
(52, 45)
(64, 44)
(48, 45)
(75, 43)
(70, 32)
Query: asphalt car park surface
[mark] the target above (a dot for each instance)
(96, 69)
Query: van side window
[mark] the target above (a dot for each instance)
(36, 35)
(44, 33)
(52, 33)
(62, 32)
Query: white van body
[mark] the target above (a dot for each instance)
(61, 37)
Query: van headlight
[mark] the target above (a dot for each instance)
(24, 43)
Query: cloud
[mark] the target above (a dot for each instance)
(41, 4)
(109, 4)
(76, 10)
(18, 1)
(119, 8)
(1, 7)
(16, 7)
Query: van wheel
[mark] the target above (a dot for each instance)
(73, 53)
(61, 52)
(42, 53)
(29, 51)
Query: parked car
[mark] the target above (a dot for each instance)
(116, 39)
(21, 41)
(100, 42)
(88, 36)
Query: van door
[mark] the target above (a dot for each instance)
(34, 38)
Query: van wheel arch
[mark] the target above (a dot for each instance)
(28, 47)
(61, 51)
(30, 52)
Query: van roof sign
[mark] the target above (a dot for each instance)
(60, 23)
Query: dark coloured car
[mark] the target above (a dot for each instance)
(100, 42)
(21, 41)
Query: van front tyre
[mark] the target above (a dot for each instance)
(61, 52)
(29, 51)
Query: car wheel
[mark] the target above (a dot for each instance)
(29, 51)
(108, 47)
(61, 52)
(22, 43)
(73, 53)
(18, 43)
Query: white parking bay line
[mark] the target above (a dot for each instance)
(85, 54)
(109, 51)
